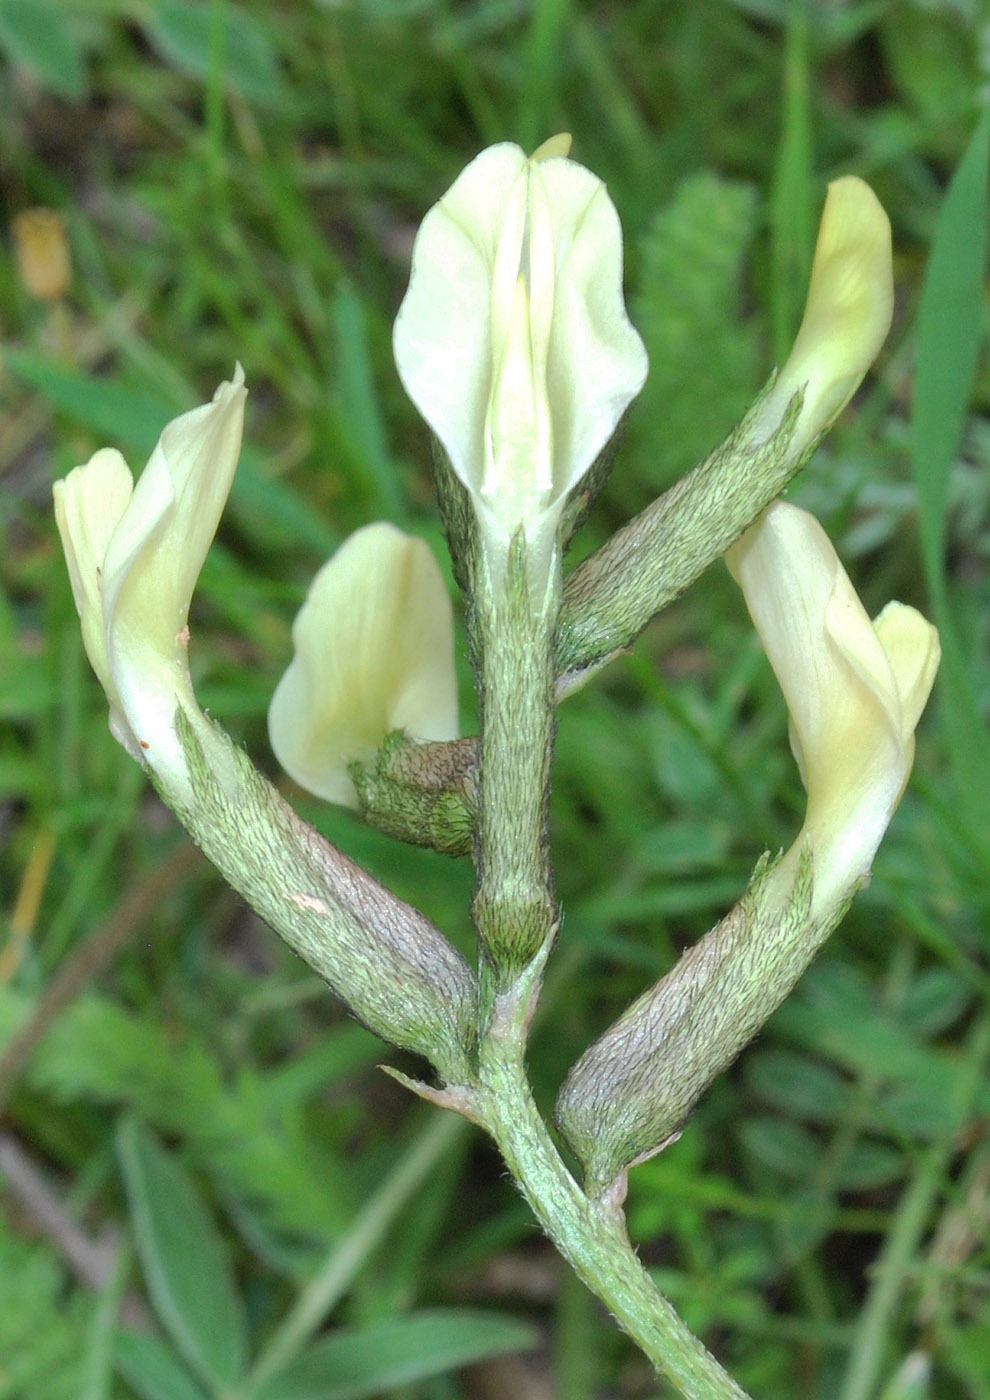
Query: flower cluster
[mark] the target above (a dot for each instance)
(514, 343)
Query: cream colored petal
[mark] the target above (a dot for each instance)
(597, 362)
(156, 556)
(518, 239)
(559, 145)
(517, 473)
(863, 753)
(789, 572)
(847, 315)
(89, 505)
(159, 549)
(373, 653)
(443, 332)
(154, 559)
(913, 651)
(852, 711)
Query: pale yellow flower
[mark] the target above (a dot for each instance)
(855, 690)
(513, 339)
(847, 314)
(373, 654)
(134, 554)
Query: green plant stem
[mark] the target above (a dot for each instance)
(514, 909)
(591, 1235)
(516, 917)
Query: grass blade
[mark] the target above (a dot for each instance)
(950, 325)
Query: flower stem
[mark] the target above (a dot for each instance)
(591, 1235)
(516, 917)
(514, 909)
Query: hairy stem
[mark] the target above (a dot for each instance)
(591, 1235)
(514, 910)
(516, 917)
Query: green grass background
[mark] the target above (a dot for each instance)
(243, 181)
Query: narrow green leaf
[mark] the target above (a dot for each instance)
(916, 1112)
(950, 326)
(869, 1165)
(36, 34)
(548, 34)
(181, 32)
(869, 1046)
(348, 1255)
(152, 1370)
(357, 1365)
(131, 419)
(935, 1001)
(362, 416)
(782, 1146)
(798, 1085)
(185, 1268)
(791, 197)
(112, 409)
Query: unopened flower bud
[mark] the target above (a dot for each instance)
(134, 554)
(612, 595)
(846, 317)
(42, 251)
(374, 653)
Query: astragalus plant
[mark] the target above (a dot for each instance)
(514, 344)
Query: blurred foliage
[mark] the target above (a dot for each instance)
(243, 181)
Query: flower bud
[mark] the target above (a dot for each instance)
(134, 554)
(426, 794)
(846, 317)
(42, 251)
(374, 653)
(855, 690)
(513, 340)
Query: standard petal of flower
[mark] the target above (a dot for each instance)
(559, 145)
(155, 556)
(443, 332)
(852, 711)
(597, 363)
(158, 551)
(89, 505)
(513, 340)
(847, 315)
(912, 647)
(373, 653)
